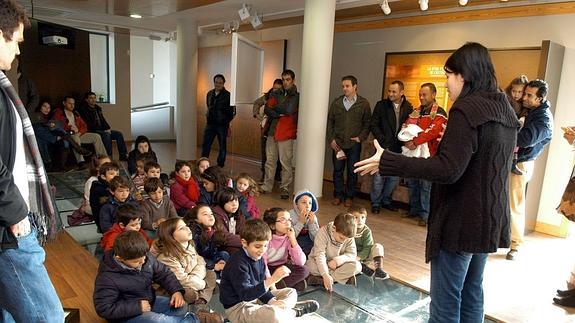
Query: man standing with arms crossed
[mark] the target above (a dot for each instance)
(25, 202)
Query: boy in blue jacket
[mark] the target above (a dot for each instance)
(123, 290)
(246, 279)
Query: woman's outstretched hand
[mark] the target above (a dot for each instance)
(371, 164)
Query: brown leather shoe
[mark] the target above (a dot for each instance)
(348, 202)
(336, 202)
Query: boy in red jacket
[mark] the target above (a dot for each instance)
(129, 219)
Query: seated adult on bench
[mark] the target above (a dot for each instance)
(76, 127)
(92, 114)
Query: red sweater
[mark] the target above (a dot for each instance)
(110, 236)
(80, 123)
(433, 122)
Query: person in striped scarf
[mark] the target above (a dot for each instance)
(27, 211)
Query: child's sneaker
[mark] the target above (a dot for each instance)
(305, 307)
(380, 274)
(351, 281)
(366, 270)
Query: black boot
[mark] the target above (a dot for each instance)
(62, 160)
(77, 148)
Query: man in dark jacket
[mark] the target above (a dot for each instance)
(27, 292)
(347, 127)
(531, 139)
(220, 114)
(94, 117)
(388, 116)
(123, 290)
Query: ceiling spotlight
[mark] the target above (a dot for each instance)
(424, 5)
(244, 12)
(385, 7)
(136, 16)
(256, 21)
(463, 2)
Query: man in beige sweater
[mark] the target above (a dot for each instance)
(333, 257)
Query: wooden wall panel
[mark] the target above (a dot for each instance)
(244, 138)
(56, 71)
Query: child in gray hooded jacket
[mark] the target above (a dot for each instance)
(304, 220)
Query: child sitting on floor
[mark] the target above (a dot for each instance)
(100, 190)
(94, 172)
(333, 257)
(246, 185)
(244, 283)
(123, 290)
(120, 189)
(128, 220)
(283, 250)
(209, 238)
(176, 250)
(157, 207)
(185, 192)
(304, 220)
(369, 253)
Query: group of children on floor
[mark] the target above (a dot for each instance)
(208, 228)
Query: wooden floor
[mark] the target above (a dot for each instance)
(515, 291)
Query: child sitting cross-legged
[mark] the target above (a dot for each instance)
(246, 185)
(333, 256)
(175, 249)
(209, 237)
(100, 190)
(246, 289)
(157, 207)
(304, 219)
(128, 220)
(123, 290)
(369, 253)
(284, 250)
(120, 188)
(185, 191)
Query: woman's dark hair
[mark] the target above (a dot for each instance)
(225, 195)
(473, 63)
(216, 175)
(140, 139)
(42, 101)
(191, 217)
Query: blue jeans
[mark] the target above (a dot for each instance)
(220, 255)
(162, 312)
(342, 191)
(45, 138)
(457, 287)
(27, 292)
(305, 242)
(210, 133)
(419, 194)
(107, 138)
(381, 189)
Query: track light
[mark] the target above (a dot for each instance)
(256, 21)
(424, 5)
(244, 12)
(463, 2)
(385, 7)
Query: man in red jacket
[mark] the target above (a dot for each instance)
(431, 118)
(75, 125)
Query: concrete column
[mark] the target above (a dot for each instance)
(186, 109)
(319, 16)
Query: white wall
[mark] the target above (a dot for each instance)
(141, 66)
(162, 71)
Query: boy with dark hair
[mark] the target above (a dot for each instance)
(128, 220)
(244, 282)
(120, 188)
(157, 207)
(369, 253)
(334, 255)
(100, 192)
(123, 290)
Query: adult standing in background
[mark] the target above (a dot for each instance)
(348, 122)
(94, 117)
(470, 173)
(388, 116)
(27, 210)
(531, 139)
(281, 110)
(219, 115)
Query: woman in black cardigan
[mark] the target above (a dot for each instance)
(469, 199)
